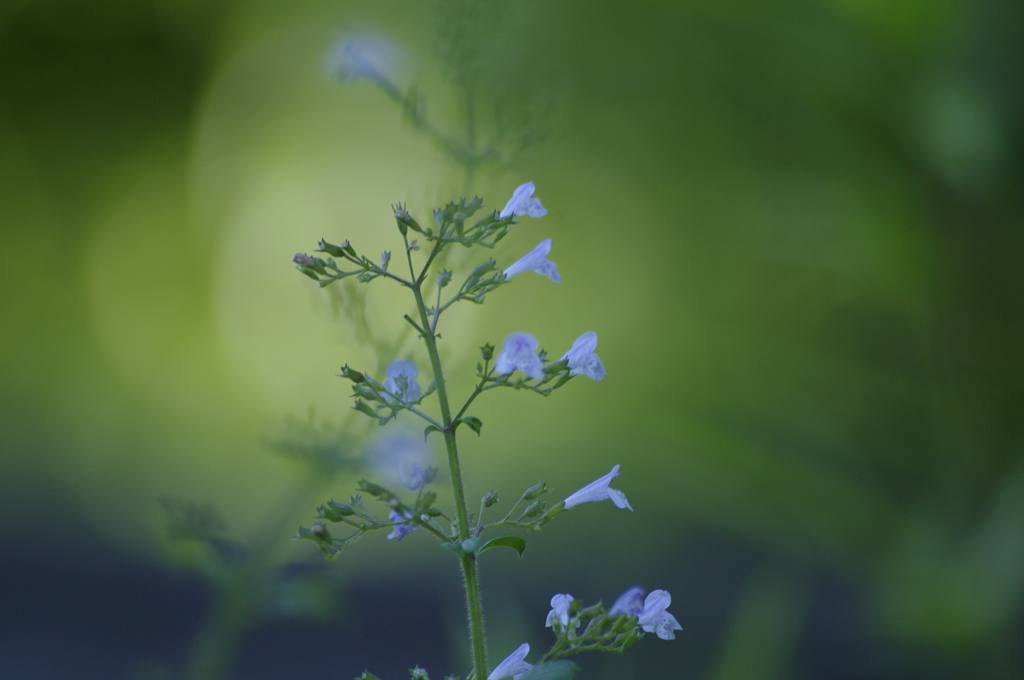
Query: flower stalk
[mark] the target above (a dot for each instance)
(468, 563)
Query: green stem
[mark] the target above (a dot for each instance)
(469, 573)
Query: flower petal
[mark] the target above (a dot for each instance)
(619, 499)
(513, 666)
(559, 610)
(629, 603)
(595, 491)
(523, 203)
(520, 354)
(535, 261)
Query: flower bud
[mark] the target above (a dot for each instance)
(337, 251)
(402, 219)
(354, 376)
(535, 491)
(489, 499)
(405, 221)
(303, 260)
(320, 531)
(444, 278)
(536, 508)
(343, 509)
(487, 352)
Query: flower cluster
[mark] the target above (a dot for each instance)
(407, 463)
(650, 616)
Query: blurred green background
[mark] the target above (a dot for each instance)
(796, 227)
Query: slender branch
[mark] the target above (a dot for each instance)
(476, 391)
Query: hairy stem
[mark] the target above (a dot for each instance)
(469, 572)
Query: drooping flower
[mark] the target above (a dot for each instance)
(559, 610)
(410, 391)
(536, 261)
(520, 352)
(399, 531)
(629, 603)
(654, 619)
(599, 490)
(582, 360)
(513, 666)
(523, 203)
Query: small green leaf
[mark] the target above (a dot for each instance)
(474, 423)
(517, 543)
(430, 428)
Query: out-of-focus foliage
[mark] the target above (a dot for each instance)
(800, 221)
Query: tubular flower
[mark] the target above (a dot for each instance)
(629, 603)
(599, 490)
(368, 55)
(559, 610)
(401, 381)
(513, 666)
(536, 261)
(582, 360)
(654, 619)
(520, 353)
(400, 530)
(523, 203)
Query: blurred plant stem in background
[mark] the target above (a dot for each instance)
(251, 583)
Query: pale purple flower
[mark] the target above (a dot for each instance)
(599, 491)
(520, 352)
(523, 203)
(402, 368)
(513, 666)
(559, 610)
(367, 55)
(401, 458)
(654, 619)
(629, 603)
(536, 261)
(582, 360)
(399, 531)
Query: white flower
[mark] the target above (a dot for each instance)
(654, 619)
(401, 381)
(523, 203)
(513, 666)
(535, 261)
(520, 353)
(559, 610)
(582, 360)
(599, 491)
(367, 55)
(629, 603)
